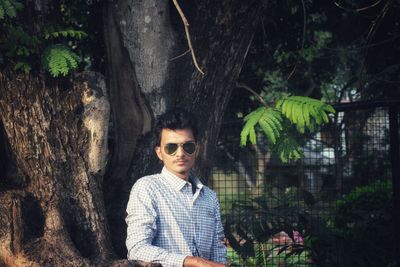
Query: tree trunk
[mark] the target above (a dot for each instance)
(58, 134)
(222, 32)
(56, 150)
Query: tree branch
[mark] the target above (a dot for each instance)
(181, 55)
(241, 85)
(304, 38)
(186, 25)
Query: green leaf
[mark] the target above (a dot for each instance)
(76, 34)
(59, 60)
(305, 112)
(288, 149)
(9, 8)
(253, 136)
(250, 121)
(2, 12)
(24, 66)
(269, 119)
(18, 5)
(268, 131)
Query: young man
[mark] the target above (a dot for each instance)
(173, 219)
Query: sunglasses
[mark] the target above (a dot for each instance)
(188, 147)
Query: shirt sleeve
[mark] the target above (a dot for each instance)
(142, 227)
(218, 253)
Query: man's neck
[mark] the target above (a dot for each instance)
(183, 176)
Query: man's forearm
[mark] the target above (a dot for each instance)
(191, 261)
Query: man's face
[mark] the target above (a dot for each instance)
(180, 162)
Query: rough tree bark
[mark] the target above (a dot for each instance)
(58, 136)
(58, 131)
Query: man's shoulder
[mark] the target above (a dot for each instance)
(148, 181)
(209, 192)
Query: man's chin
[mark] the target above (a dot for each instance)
(182, 171)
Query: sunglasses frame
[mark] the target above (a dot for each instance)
(180, 145)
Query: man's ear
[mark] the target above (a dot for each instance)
(158, 152)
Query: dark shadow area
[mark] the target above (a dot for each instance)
(33, 219)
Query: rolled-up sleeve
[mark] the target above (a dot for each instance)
(142, 228)
(218, 253)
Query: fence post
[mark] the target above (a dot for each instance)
(395, 160)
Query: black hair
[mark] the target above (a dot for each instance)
(175, 119)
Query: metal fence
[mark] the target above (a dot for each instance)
(337, 206)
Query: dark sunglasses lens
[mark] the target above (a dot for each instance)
(189, 147)
(171, 148)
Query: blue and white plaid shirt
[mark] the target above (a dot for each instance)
(167, 222)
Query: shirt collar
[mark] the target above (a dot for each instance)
(178, 183)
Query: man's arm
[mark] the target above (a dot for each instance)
(218, 252)
(141, 222)
(191, 261)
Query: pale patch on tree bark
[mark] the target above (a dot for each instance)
(149, 40)
(96, 118)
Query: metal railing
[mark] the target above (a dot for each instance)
(359, 147)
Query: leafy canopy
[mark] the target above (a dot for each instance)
(9, 8)
(53, 43)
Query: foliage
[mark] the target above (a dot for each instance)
(302, 112)
(291, 253)
(23, 66)
(305, 112)
(270, 121)
(359, 232)
(65, 33)
(9, 8)
(59, 60)
(288, 149)
(20, 43)
(256, 220)
(366, 200)
(329, 50)
(270, 255)
(58, 39)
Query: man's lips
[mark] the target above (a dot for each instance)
(180, 161)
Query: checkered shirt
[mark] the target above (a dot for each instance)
(167, 222)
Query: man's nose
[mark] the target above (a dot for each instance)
(180, 151)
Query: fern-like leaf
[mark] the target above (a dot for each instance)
(2, 12)
(288, 149)
(23, 66)
(270, 121)
(9, 8)
(71, 33)
(305, 112)
(19, 43)
(59, 60)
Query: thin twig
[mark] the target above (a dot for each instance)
(357, 9)
(303, 41)
(241, 85)
(374, 26)
(378, 20)
(370, 6)
(362, 47)
(344, 8)
(181, 55)
(186, 25)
